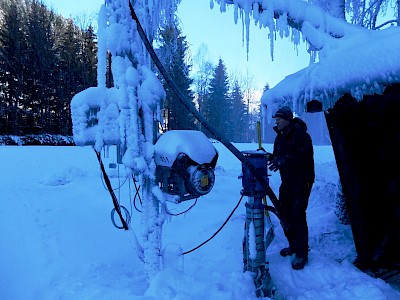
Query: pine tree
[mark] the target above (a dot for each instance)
(173, 54)
(75, 70)
(44, 61)
(89, 56)
(40, 78)
(217, 104)
(12, 66)
(238, 116)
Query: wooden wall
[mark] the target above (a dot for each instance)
(365, 137)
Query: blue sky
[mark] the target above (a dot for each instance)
(223, 38)
(74, 7)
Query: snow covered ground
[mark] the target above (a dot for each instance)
(58, 241)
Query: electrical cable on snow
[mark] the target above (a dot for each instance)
(182, 212)
(202, 120)
(110, 190)
(222, 226)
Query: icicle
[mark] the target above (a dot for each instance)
(282, 26)
(243, 26)
(247, 13)
(256, 12)
(236, 13)
(222, 7)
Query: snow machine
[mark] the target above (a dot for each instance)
(185, 163)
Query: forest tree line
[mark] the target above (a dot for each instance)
(225, 101)
(46, 59)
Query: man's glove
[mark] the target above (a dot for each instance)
(276, 163)
(270, 156)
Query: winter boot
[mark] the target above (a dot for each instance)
(286, 252)
(298, 263)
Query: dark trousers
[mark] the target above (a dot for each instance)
(293, 197)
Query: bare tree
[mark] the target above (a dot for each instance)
(203, 71)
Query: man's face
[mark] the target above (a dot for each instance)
(281, 123)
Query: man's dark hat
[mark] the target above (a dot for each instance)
(284, 113)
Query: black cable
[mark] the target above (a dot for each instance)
(110, 190)
(127, 216)
(171, 214)
(134, 198)
(222, 226)
(114, 189)
(271, 209)
(137, 190)
(121, 185)
(130, 197)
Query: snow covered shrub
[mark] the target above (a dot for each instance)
(8, 141)
(37, 139)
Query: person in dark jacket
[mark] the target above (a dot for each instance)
(293, 156)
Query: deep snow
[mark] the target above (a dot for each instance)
(58, 241)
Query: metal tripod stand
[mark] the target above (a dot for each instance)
(255, 241)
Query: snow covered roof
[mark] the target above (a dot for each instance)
(351, 59)
(362, 63)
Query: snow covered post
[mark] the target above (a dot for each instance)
(127, 113)
(140, 98)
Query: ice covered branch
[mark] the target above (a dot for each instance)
(296, 14)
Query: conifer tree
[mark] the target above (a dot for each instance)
(238, 115)
(44, 61)
(72, 71)
(12, 66)
(89, 56)
(217, 106)
(173, 54)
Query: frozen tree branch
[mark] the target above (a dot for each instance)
(307, 18)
